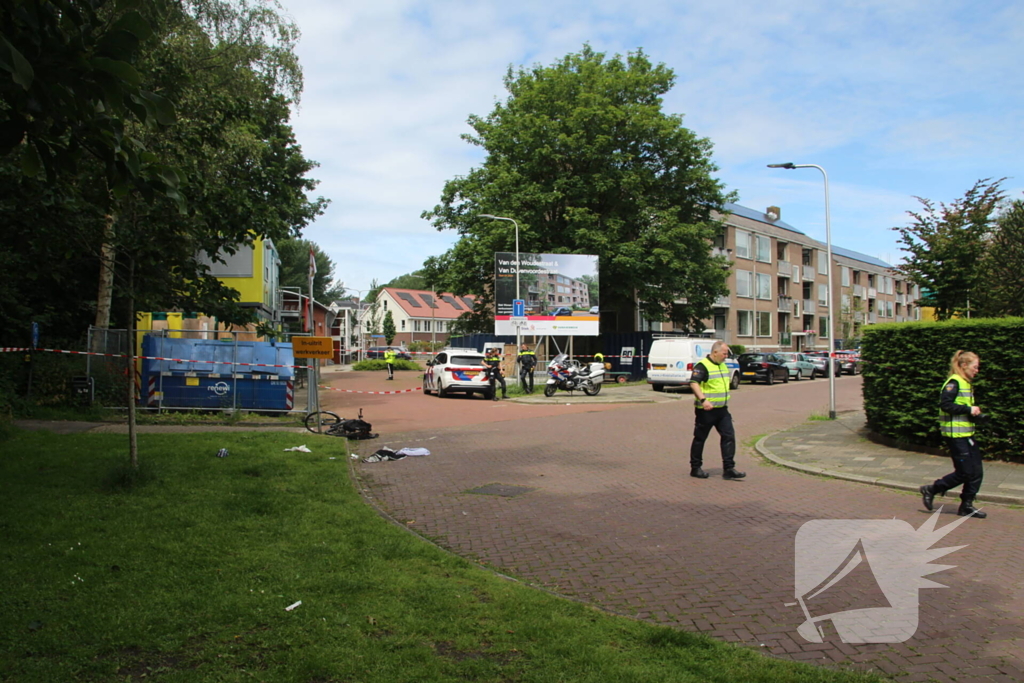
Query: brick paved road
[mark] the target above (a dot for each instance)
(613, 519)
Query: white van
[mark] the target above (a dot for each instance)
(672, 359)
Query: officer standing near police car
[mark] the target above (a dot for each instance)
(709, 383)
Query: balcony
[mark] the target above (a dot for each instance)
(872, 317)
(901, 298)
(722, 302)
(720, 251)
(872, 293)
(785, 304)
(808, 273)
(858, 291)
(810, 307)
(785, 268)
(858, 316)
(785, 339)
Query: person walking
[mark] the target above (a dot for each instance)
(492, 361)
(527, 364)
(709, 383)
(957, 413)
(389, 358)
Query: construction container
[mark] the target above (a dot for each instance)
(217, 375)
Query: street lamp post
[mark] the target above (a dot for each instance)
(503, 218)
(831, 301)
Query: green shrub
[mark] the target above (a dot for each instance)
(737, 349)
(378, 364)
(904, 365)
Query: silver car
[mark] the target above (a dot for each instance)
(799, 365)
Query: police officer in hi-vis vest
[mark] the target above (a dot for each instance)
(710, 386)
(492, 361)
(527, 364)
(389, 358)
(956, 413)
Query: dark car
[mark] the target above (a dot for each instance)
(849, 362)
(820, 359)
(762, 367)
(378, 353)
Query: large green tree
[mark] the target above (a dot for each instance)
(230, 69)
(1001, 291)
(946, 243)
(582, 155)
(294, 254)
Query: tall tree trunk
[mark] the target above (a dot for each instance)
(106, 289)
(133, 444)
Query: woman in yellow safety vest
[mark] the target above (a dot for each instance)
(956, 424)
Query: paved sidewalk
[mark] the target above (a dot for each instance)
(840, 448)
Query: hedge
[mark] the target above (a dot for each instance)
(378, 364)
(904, 365)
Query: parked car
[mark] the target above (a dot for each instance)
(820, 359)
(377, 352)
(849, 362)
(595, 310)
(561, 310)
(456, 371)
(763, 367)
(671, 361)
(799, 365)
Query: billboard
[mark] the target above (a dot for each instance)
(558, 294)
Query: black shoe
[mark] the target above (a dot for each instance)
(494, 398)
(927, 495)
(504, 396)
(698, 473)
(968, 508)
(733, 473)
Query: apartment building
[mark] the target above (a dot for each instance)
(779, 287)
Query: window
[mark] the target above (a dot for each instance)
(415, 325)
(796, 274)
(742, 244)
(440, 326)
(403, 325)
(846, 302)
(764, 246)
(823, 326)
(888, 309)
(745, 323)
(823, 295)
(822, 263)
(764, 286)
(744, 283)
(846, 276)
(764, 324)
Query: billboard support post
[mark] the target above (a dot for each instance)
(519, 330)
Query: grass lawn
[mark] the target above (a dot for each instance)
(187, 577)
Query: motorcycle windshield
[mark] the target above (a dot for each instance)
(560, 359)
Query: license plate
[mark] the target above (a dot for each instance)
(658, 366)
(749, 373)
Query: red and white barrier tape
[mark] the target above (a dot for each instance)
(354, 391)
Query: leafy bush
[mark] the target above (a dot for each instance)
(737, 349)
(378, 364)
(904, 365)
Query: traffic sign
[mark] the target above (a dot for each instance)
(518, 308)
(313, 347)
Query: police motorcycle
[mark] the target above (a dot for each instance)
(569, 375)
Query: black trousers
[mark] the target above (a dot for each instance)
(526, 378)
(391, 371)
(496, 376)
(967, 469)
(720, 419)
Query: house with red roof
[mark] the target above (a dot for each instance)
(419, 315)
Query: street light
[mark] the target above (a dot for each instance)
(831, 302)
(503, 218)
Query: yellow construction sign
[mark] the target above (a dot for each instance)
(313, 347)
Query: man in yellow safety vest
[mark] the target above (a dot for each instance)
(709, 383)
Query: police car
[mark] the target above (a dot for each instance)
(455, 370)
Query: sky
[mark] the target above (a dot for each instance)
(895, 100)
